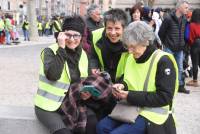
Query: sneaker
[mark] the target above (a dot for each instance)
(182, 89)
(193, 83)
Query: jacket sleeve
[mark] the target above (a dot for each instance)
(163, 29)
(53, 64)
(165, 87)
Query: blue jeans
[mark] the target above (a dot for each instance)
(8, 37)
(26, 35)
(110, 126)
(179, 60)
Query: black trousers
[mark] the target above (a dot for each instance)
(53, 121)
(195, 57)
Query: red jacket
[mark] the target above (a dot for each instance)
(194, 32)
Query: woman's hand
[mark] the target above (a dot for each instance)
(118, 86)
(61, 39)
(118, 91)
(85, 95)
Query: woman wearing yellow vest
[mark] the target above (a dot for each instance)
(62, 64)
(108, 53)
(152, 90)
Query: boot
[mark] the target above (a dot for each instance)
(193, 83)
(182, 89)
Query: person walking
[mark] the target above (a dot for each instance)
(8, 29)
(194, 42)
(171, 34)
(150, 83)
(25, 28)
(39, 27)
(62, 64)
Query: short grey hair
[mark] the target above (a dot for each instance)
(180, 2)
(116, 15)
(137, 32)
(91, 8)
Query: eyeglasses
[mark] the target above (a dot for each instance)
(75, 36)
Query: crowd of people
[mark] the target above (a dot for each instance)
(8, 30)
(139, 62)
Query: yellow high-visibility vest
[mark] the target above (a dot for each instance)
(50, 94)
(135, 75)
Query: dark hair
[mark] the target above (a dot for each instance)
(136, 7)
(196, 16)
(115, 15)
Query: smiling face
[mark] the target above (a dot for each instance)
(114, 31)
(73, 39)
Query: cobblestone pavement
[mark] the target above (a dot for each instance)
(19, 65)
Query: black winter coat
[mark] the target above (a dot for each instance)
(171, 32)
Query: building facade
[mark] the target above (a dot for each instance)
(156, 3)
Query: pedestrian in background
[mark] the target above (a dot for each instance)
(8, 29)
(151, 90)
(2, 30)
(25, 28)
(93, 21)
(194, 42)
(136, 12)
(171, 34)
(56, 26)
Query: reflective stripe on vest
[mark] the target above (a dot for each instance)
(158, 115)
(50, 96)
(57, 84)
(159, 110)
(97, 34)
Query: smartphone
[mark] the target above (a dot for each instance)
(91, 89)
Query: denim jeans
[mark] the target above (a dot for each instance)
(26, 34)
(179, 60)
(8, 41)
(110, 126)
